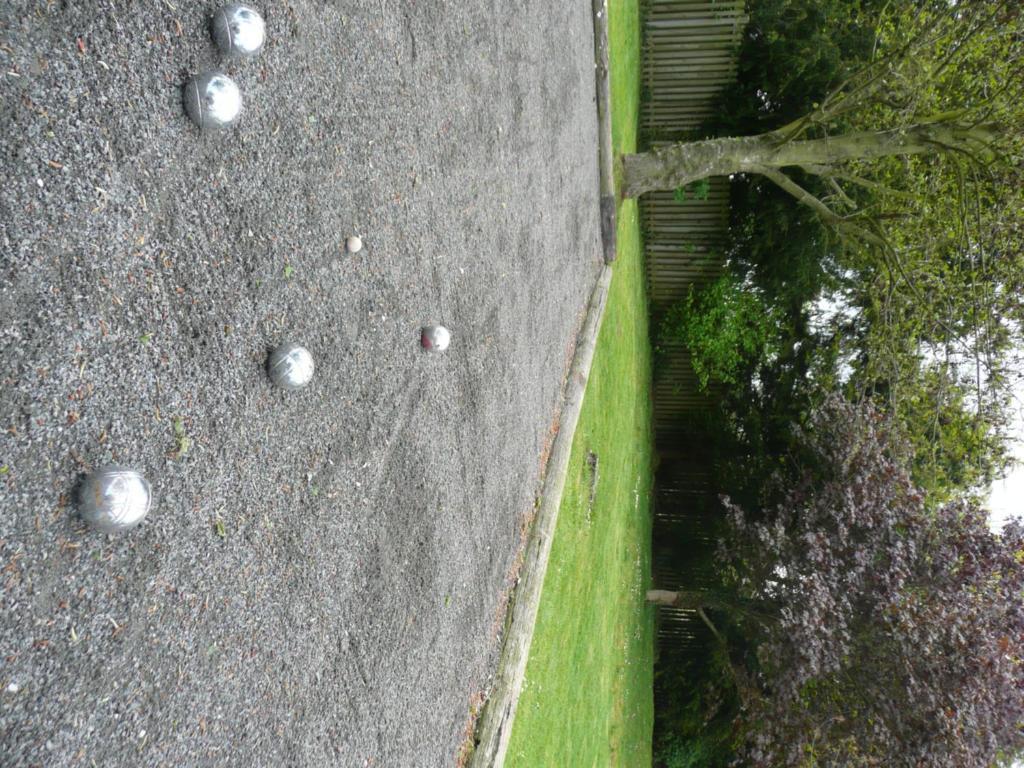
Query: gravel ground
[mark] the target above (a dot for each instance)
(319, 580)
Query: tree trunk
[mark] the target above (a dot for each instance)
(761, 611)
(688, 598)
(678, 165)
(661, 597)
(698, 601)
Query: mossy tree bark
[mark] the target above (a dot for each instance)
(677, 165)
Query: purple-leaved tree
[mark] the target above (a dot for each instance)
(885, 633)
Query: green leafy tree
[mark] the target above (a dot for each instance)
(917, 96)
(911, 220)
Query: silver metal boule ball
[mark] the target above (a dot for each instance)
(114, 499)
(435, 338)
(354, 244)
(238, 30)
(290, 366)
(212, 100)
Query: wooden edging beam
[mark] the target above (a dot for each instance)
(494, 729)
(495, 726)
(606, 153)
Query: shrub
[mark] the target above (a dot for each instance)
(728, 328)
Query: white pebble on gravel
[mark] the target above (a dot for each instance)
(354, 244)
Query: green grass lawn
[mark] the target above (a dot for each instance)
(588, 699)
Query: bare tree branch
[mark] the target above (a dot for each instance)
(874, 186)
(826, 213)
(840, 193)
